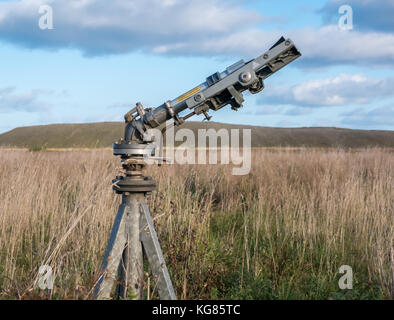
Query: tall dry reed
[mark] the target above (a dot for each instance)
(282, 231)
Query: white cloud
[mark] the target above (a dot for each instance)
(177, 27)
(118, 26)
(10, 100)
(336, 91)
(329, 45)
(319, 47)
(380, 117)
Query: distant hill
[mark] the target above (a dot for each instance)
(96, 135)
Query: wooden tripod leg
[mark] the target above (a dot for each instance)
(154, 254)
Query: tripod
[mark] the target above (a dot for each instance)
(132, 233)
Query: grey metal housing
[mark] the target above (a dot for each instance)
(219, 89)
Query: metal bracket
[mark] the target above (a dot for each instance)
(212, 79)
(138, 110)
(178, 120)
(238, 98)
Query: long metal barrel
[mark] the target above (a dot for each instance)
(236, 78)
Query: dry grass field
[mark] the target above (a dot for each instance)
(281, 232)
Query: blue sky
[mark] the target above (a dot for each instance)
(104, 56)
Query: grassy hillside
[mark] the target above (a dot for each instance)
(91, 135)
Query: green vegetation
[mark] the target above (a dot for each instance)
(98, 135)
(37, 148)
(281, 232)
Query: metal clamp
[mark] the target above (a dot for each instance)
(236, 101)
(178, 120)
(138, 110)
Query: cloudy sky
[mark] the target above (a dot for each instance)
(103, 56)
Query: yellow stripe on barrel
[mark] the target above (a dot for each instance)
(188, 94)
